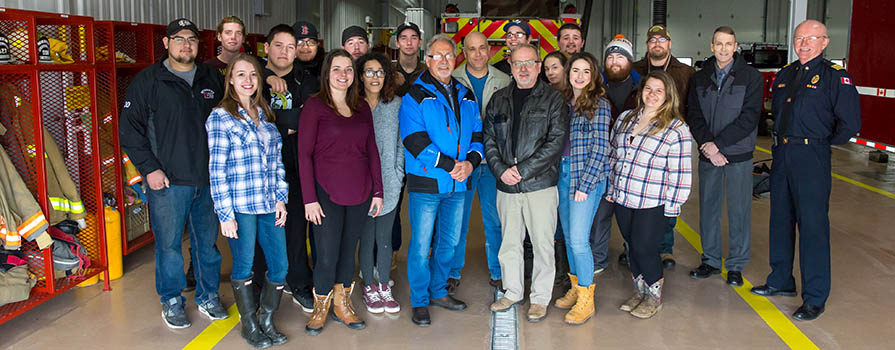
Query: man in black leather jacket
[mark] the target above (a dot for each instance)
(526, 126)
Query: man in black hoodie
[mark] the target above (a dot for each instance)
(292, 54)
(723, 112)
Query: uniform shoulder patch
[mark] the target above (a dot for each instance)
(837, 67)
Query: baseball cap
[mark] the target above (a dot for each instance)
(353, 31)
(304, 30)
(180, 24)
(621, 45)
(408, 25)
(520, 24)
(659, 30)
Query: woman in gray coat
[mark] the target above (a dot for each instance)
(378, 76)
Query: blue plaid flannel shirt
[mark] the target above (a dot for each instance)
(590, 149)
(245, 164)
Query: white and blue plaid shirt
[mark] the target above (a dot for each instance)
(245, 164)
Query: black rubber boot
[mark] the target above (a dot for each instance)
(270, 302)
(561, 279)
(247, 304)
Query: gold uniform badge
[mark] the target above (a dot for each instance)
(815, 79)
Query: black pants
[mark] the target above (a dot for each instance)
(299, 275)
(600, 231)
(336, 238)
(396, 228)
(643, 230)
(800, 194)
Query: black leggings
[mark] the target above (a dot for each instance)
(336, 239)
(643, 230)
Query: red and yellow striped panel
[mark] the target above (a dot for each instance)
(545, 30)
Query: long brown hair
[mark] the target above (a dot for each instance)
(668, 111)
(388, 85)
(588, 101)
(352, 97)
(230, 102)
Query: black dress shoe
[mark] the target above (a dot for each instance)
(668, 261)
(768, 291)
(735, 278)
(448, 302)
(704, 271)
(421, 317)
(808, 312)
(623, 259)
(452, 284)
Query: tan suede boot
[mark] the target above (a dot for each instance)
(584, 307)
(571, 297)
(343, 310)
(652, 303)
(321, 311)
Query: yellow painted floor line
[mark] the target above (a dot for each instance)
(214, 332)
(851, 181)
(780, 323)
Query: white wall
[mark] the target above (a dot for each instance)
(205, 13)
(691, 23)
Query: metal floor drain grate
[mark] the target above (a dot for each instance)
(504, 327)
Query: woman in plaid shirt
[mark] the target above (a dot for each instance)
(649, 182)
(583, 172)
(248, 186)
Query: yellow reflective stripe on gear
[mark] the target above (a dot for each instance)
(62, 204)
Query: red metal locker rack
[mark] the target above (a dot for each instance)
(60, 98)
(133, 42)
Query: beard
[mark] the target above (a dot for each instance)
(620, 75)
(658, 55)
(184, 59)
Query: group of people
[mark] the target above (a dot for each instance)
(321, 146)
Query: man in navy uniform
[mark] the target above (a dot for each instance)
(815, 104)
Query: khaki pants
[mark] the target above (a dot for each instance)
(535, 211)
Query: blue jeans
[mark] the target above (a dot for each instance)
(482, 179)
(428, 279)
(259, 228)
(562, 187)
(581, 217)
(170, 209)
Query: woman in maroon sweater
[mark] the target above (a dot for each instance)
(341, 183)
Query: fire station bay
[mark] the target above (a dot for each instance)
(451, 174)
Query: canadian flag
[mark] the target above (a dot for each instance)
(846, 80)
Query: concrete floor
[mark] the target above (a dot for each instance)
(697, 314)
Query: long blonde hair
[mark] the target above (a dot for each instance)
(230, 102)
(667, 112)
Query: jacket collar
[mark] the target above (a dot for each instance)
(710, 65)
(428, 82)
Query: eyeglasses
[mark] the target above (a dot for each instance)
(812, 38)
(658, 40)
(180, 40)
(306, 42)
(439, 57)
(518, 35)
(527, 64)
(379, 73)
